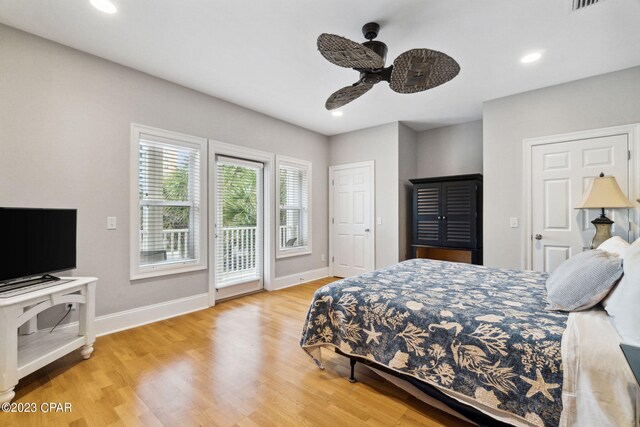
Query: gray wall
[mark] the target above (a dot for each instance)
(65, 141)
(602, 101)
(379, 144)
(450, 150)
(407, 169)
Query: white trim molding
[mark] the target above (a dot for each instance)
(633, 137)
(269, 218)
(127, 319)
(306, 166)
(138, 271)
(299, 278)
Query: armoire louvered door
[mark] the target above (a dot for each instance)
(447, 218)
(458, 214)
(427, 214)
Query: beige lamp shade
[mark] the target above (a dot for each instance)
(604, 192)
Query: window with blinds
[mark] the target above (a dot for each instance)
(294, 185)
(238, 221)
(169, 219)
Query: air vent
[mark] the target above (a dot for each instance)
(580, 4)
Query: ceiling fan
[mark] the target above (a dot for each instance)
(413, 71)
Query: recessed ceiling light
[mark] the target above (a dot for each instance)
(336, 113)
(531, 57)
(104, 6)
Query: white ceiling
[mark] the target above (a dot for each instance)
(261, 54)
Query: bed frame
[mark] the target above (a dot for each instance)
(467, 411)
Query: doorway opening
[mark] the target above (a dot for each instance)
(239, 226)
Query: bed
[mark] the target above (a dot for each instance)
(476, 338)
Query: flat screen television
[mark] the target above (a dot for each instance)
(36, 242)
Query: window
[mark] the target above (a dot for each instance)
(169, 214)
(294, 225)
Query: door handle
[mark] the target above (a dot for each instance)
(366, 230)
(538, 237)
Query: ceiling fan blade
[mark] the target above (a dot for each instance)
(346, 53)
(421, 69)
(346, 95)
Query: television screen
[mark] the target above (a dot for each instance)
(36, 241)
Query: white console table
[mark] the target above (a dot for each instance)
(21, 355)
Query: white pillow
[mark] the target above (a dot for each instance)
(623, 304)
(615, 245)
(583, 280)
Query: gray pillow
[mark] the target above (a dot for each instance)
(583, 280)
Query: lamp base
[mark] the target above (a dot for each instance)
(603, 231)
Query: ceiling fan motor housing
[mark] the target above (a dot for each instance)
(378, 47)
(370, 78)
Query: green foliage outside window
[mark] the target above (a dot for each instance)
(239, 197)
(176, 187)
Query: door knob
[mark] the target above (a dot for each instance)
(538, 236)
(366, 230)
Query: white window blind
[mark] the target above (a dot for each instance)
(294, 203)
(169, 198)
(239, 234)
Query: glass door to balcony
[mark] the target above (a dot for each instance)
(238, 227)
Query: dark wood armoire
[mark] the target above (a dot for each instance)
(447, 218)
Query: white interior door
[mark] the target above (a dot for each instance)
(352, 236)
(238, 228)
(560, 174)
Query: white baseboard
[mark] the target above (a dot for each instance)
(299, 278)
(122, 320)
(128, 319)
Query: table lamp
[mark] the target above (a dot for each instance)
(603, 193)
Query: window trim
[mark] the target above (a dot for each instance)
(164, 136)
(303, 164)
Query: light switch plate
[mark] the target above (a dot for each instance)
(513, 222)
(111, 223)
(379, 221)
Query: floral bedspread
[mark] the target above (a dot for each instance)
(470, 330)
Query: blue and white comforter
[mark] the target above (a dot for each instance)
(471, 330)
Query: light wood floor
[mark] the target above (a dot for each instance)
(238, 363)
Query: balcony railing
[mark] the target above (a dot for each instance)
(174, 245)
(237, 246)
(289, 235)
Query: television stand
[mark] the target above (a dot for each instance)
(22, 355)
